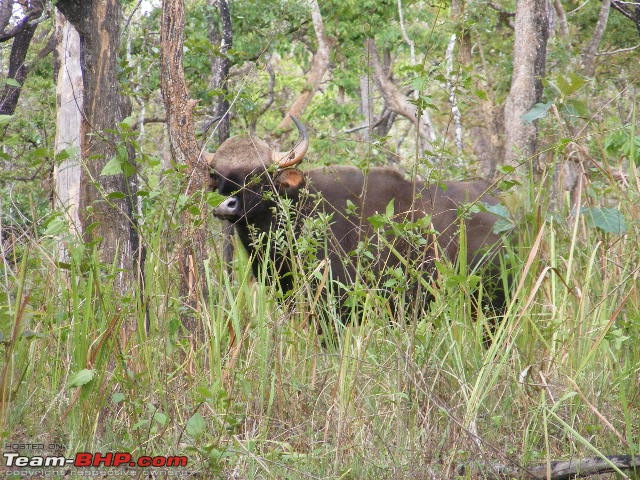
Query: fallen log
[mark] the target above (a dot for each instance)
(556, 470)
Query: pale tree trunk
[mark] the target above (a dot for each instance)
(397, 101)
(105, 200)
(220, 65)
(529, 57)
(69, 88)
(561, 19)
(453, 101)
(589, 55)
(319, 66)
(365, 105)
(185, 150)
(425, 117)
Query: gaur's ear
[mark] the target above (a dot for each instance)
(289, 180)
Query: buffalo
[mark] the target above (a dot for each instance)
(405, 226)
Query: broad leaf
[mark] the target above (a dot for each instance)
(609, 220)
(82, 378)
(112, 167)
(196, 425)
(539, 110)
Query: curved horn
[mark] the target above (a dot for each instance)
(296, 154)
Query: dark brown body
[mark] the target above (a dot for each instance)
(372, 192)
(351, 197)
(252, 177)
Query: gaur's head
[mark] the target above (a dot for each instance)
(249, 172)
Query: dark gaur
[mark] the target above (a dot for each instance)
(252, 176)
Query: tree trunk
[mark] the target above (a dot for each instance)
(561, 18)
(589, 55)
(105, 200)
(220, 65)
(17, 69)
(453, 101)
(529, 57)
(185, 150)
(365, 106)
(69, 100)
(6, 9)
(319, 66)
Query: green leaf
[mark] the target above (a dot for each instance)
(506, 169)
(55, 225)
(498, 210)
(539, 110)
(117, 397)
(481, 94)
(161, 418)
(569, 84)
(5, 119)
(196, 425)
(119, 164)
(390, 209)
(504, 223)
(608, 220)
(377, 221)
(576, 108)
(63, 154)
(128, 122)
(82, 378)
(123, 157)
(12, 82)
(115, 195)
(194, 210)
(112, 167)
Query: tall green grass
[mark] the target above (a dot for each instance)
(296, 394)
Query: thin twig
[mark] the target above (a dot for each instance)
(619, 50)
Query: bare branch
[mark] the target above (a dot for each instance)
(619, 50)
(319, 66)
(501, 10)
(397, 101)
(17, 69)
(405, 35)
(6, 9)
(621, 7)
(31, 19)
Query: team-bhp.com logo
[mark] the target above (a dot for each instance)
(86, 459)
